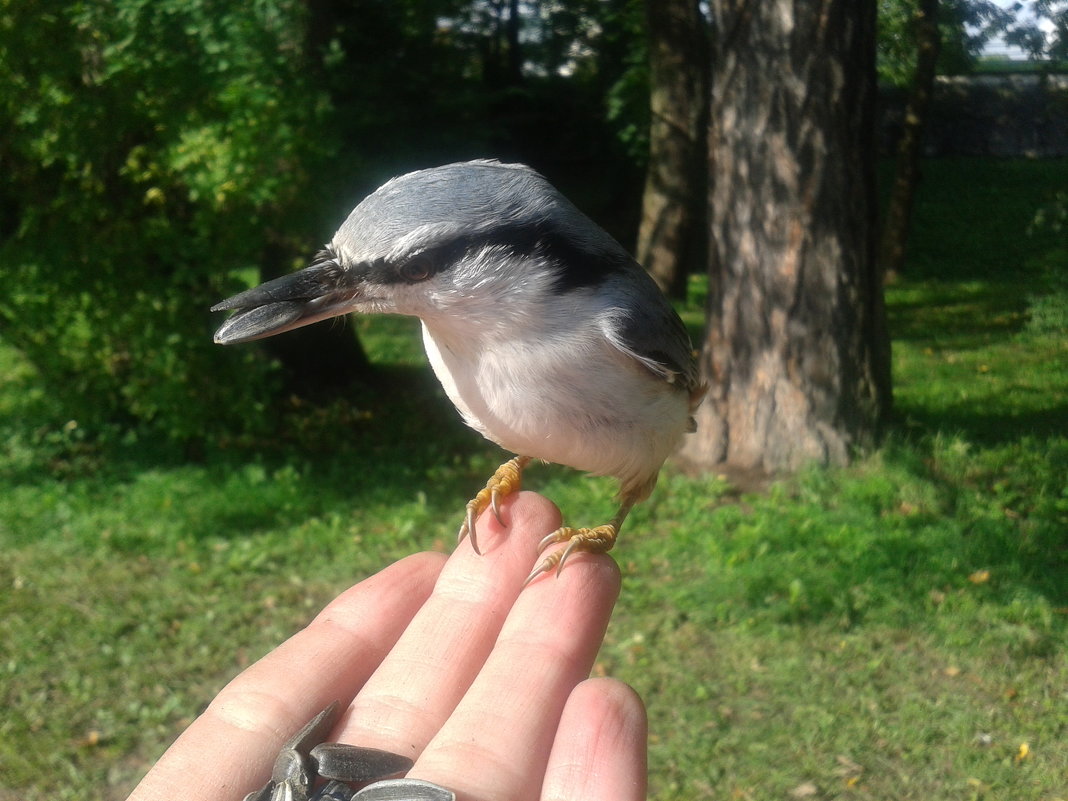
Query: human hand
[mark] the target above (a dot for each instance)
(450, 663)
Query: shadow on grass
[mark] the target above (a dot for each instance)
(395, 440)
(956, 316)
(987, 428)
(392, 441)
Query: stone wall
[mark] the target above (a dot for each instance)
(988, 115)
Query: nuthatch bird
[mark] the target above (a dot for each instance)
(546, 335)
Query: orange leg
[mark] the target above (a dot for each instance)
(591, 540)
(507, 479)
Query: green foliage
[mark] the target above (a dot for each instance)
(965, 27)
(628, 98)
(896, 43)
(149, 149)
(1041, 30)
(156, 156)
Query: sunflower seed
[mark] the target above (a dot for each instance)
(263, 794)
(404, 790)
(333, 791)
(314, 731)
(353, 763)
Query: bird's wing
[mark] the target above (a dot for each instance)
(652, 333)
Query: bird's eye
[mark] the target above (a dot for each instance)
(417, 268)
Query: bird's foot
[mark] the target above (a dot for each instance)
(507, 479)
(591, 540)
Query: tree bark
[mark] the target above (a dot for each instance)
(672, 236)
(797, 354)
(894, 241)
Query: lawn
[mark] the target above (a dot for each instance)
(898, 629)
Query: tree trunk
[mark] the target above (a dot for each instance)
(672, 237)
(895, 233)
(797, 353)
(512, 27)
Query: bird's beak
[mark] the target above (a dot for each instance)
(315, 293)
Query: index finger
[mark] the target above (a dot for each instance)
(229, 750)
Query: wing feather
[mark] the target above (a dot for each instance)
(649, 330)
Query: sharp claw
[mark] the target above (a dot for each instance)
(467, 529)
(595, 540)
(504, 482)
(544, 567)
(555, 559)
(548, 540)
(567, 552)
(495, 505)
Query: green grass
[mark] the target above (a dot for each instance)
(898, 629)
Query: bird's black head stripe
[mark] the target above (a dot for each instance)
(576, 267)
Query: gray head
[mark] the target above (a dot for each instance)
(470, 201)
(430, 241)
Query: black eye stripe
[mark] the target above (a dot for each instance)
(578, 267)
(418, 268)
(427, 263)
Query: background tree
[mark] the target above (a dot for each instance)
(156, 157)
(965, 29)
(919, 39)
(894, 233)
(672, 237)
(1039, 28)
(797, 352)
(148, 152)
